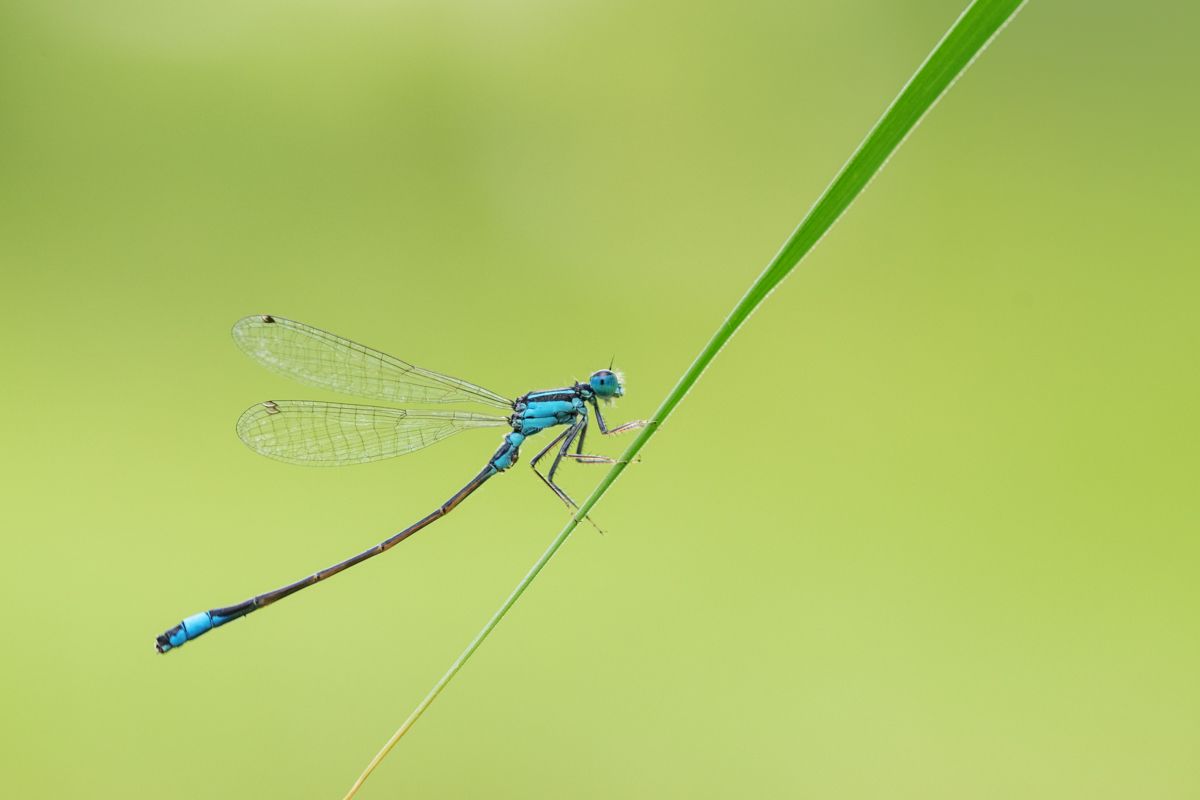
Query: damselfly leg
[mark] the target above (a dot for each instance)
(563, 441)
(575, 435)
(628, 426)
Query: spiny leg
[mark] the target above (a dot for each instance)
(572, 432)
(582, 435)
(566, 437)
(587, 458)
(628, 426)
(533, 461)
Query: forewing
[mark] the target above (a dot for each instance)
(331, 434)
(318, 358)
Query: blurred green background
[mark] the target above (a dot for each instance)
(926, 530)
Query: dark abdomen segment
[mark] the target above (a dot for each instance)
(199, 624)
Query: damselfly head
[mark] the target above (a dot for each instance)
(607, 384)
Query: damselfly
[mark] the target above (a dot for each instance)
(308, 432)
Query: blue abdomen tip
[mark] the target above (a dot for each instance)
(184, 632)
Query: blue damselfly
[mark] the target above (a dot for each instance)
(310, 432)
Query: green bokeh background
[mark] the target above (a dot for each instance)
(927, 529)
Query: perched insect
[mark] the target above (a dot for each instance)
(307, 432)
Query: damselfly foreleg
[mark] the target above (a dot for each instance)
(586, 458)
(628, 426)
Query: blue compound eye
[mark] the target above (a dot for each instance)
(605, 383)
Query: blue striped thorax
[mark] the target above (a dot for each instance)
(538, 411)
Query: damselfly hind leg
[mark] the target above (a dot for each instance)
(563, 441)
(533, 462)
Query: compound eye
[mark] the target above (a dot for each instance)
(604, 382)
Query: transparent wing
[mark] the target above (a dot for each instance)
(317, 358)
(331, 434)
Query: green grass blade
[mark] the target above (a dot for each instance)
(965, 40)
